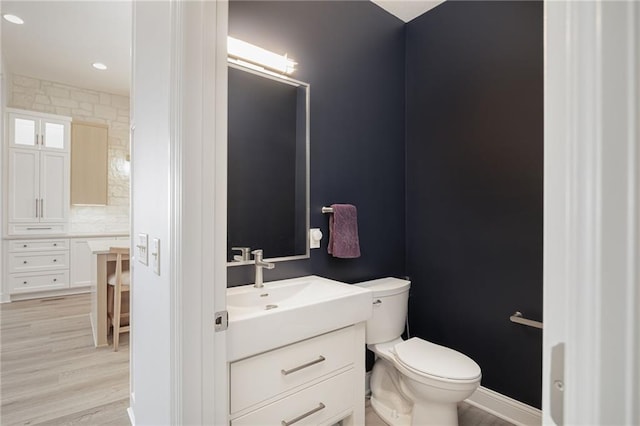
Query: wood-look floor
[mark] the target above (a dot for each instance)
(51, 374)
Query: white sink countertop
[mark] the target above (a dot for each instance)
(287, 311)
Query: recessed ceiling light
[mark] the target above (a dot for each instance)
(13, 19)
(99, 66)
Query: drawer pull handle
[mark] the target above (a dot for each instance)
(55, 280)
(377, 302)
(24, 245)
(55, 244)
(37, 229)
(24, 282)
(55, 260)
(303, 416)
(300, 367)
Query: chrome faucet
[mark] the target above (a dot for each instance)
(260, 264)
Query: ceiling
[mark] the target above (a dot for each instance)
(407, 9)
(59, 40)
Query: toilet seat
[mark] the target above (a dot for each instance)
(439, 362)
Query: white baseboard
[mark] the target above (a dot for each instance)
(132, 419)
(506, 408)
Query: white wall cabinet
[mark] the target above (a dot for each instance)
(38, 173)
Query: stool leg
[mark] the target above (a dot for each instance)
(117, 300)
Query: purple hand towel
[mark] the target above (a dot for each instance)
(343, 232)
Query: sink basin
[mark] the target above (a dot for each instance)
(287, 311)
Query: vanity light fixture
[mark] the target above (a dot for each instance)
(99, 66)
(13, 19)
(246, 53)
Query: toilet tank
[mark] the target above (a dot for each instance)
(390, 298)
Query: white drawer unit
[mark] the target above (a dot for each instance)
(322, 404)
(289, 367)
(36, 265)
(23, 283)
(38, 261)
(38, 245)
(317, 381)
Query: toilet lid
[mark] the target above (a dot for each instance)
(436, 360)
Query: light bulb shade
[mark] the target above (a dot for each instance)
(241, 50)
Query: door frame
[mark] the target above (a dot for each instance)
(592, 212)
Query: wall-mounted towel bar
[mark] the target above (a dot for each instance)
(327, 210)
(518, 318)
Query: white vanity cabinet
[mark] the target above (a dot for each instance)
(317, 381)
(37, 265)
(38, 173)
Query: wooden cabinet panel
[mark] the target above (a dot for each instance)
(89, 164)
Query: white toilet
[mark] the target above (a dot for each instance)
(414, 382)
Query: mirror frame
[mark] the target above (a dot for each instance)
(307, 88)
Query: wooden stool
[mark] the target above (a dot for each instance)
(119, 285)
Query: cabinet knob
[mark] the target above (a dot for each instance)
(55, 260)
(24, 282)
(55, 279)
(55, 244)
(24, 245)
(24, 261)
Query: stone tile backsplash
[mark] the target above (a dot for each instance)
(89, 106)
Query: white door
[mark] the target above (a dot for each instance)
(54, 186)
(24, 184)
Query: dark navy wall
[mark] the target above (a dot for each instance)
(352, 55)
(474, 185)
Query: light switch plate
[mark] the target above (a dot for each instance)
(142, 248)
(155, 255)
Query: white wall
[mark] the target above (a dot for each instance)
(179, 195)
(150, 172)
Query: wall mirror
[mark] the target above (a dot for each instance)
(268, 165)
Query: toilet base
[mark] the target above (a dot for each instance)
(435, 414)
(389, 415)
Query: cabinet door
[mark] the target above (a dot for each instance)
(24, 181)
(54, 187)
(24, 131)
(55, 134)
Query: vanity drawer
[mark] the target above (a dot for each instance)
(329, 401)
(27, 283)
(33, 262)
(38, 245)
(266, 375)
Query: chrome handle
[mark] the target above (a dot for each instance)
(377, 302)
(41, 207)
(37, 229)
(321, 406)
(300, 367)
(36, 207)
